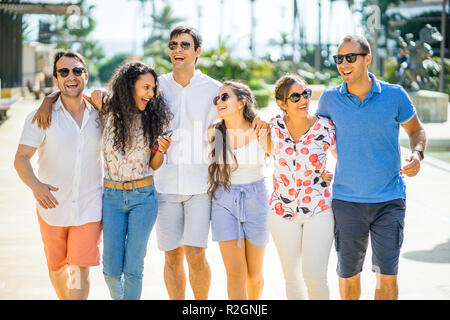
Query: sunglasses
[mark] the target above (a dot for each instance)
(224, 97)
(185, 45)
(295, 97)
(350, 57)
(64, 72)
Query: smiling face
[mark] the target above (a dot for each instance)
(231, 106)
(183, 58)
(353, 72)
(144, 90)
(299, 108)
(70, 86)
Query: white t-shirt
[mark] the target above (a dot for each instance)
(185, 169)
(251, 162)
(69, 159)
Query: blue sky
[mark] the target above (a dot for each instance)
(119, 22)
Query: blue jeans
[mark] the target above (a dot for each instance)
(128, 219)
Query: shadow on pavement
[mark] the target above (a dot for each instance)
(439, 254)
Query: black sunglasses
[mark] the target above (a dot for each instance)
(224, 97)
(185, 45)
(295, 97)
(64, 72)
(350, 57)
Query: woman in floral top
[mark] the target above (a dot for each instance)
(302, 221)
(134, 118)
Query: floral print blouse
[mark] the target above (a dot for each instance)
(132, 165)
(299, 191)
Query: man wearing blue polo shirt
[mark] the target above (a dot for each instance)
(368, 191)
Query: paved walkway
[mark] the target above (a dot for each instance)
(424, 263)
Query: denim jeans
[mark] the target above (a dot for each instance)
(128, 219)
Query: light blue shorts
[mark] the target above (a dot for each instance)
(240, 213)
(183, 220)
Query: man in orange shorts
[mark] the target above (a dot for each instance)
(68, 188)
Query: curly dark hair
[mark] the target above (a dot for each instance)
(219, 171)
(121, 106)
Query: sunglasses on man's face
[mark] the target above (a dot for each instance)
(224, 97)
(296, 96)
(64, 72)
(350, 57)
(185, 45)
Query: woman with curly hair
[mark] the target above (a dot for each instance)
(239, 195)
(134, 117)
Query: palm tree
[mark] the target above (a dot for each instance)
(252, 27)
(318, 53)
(442, 48)
(142, 2)
(162, 24)
(294, 26)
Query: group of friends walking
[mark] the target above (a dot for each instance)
(184, 153)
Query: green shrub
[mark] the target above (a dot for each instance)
(263, 97)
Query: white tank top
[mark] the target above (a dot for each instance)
(251, 161)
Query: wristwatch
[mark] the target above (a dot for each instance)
(421, 155)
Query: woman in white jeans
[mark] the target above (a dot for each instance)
(301, 222)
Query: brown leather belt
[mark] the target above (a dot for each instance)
(128, 185)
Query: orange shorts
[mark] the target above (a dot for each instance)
(77, 246)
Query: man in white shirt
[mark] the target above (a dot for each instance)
(68, 189)
(184, 208)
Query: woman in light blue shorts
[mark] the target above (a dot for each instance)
(239, 196)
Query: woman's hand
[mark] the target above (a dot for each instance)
(164, 144)
(43, 116)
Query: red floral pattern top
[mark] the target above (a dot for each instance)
(299, 191)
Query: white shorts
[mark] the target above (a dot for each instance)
(183, 220)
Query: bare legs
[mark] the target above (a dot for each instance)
(244, 269)
(387, 288)
(175, 276)
(71, 282)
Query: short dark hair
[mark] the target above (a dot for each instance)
(363, 43)
(189, 30)
(69, 54)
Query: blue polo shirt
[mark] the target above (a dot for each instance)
(367, 141)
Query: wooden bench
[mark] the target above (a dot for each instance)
(5, 105)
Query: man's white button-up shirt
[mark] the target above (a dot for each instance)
(69, 159)
(185, 171)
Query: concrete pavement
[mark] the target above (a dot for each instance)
(424, 262)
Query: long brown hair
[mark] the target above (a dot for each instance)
(220, 169)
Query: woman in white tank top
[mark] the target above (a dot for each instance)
(239, 211)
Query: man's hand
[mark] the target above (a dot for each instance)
(43, 195)
(327, 177)
(417, 141)
(98, 98)
(43, 116)
(261, 127)
(413, 167)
